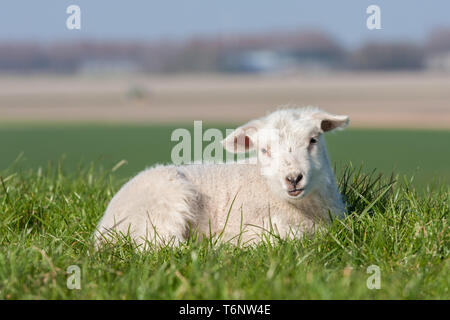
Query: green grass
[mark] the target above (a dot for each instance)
(422, 154)
(49, 209)
(47, 219)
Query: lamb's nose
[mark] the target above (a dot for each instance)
(294, 179)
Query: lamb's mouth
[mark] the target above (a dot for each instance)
(295, 192)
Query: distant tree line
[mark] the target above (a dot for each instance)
(239, 53)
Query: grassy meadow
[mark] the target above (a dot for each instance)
(56, 181)
(422, 154)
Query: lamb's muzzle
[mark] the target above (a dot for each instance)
(292, 181)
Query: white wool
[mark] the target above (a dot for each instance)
(239, 202)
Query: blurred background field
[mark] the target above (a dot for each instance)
(423, 154)
(399, 121)
(115, 89)
(414, 99)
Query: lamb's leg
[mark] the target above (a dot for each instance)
(157, 207)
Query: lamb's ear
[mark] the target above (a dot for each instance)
(328, 122)
(242, 139)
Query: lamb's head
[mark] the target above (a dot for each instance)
(290, 148)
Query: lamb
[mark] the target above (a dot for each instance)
(289, 191)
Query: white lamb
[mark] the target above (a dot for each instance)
(290, 190)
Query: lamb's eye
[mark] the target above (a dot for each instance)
(266, 151)
(312, 141)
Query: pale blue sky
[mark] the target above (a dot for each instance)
(44, 20)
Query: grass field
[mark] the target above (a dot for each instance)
(374, 99)
(50, 206)
(419, 153)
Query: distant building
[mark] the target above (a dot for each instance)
(256, 61)
(272, 61)
(438, 62)
(108, 66)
